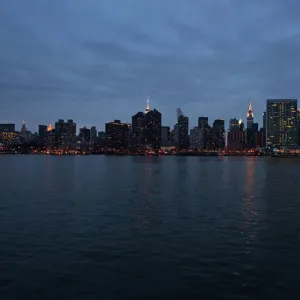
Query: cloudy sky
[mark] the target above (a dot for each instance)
(97, 60)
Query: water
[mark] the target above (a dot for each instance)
(98, 227)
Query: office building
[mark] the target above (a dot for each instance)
(204, 131)
(183, 132)
(281, 123)
(66, 134)
(7, 127)
(165, 136)
(117, 135)
(236, 136)
(234, 124)
(153, 129)
(138, 131)
(195, 138)
(93, 134)
(8, 135)
(218, 131)
(43, 133)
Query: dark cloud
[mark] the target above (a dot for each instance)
(94, 61)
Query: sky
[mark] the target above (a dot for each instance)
(94, 61)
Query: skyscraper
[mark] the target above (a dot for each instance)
(23, 128)
(281, 122)
(43, 134)
(165, 136)
(252, 129)
(183, 132)
(236, 135)
(250, 116)
(195, 138)
(93, 133)
(233, 124)
(66, 134)
(138, 131)
(204, 131)
(117, 135)
(153, 129)
(219, 133)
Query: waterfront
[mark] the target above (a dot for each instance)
(101, 227)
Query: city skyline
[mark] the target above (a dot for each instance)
(95, 63)
(147, 108)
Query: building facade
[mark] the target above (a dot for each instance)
(153, 129)
(183, 132)
(219, 133)
(281, 123)
(236, 135)
(117, 135)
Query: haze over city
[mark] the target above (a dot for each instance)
(95, 61)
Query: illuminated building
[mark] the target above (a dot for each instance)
(252, 129)
(117, 135)
(183, 131)
(66, 134)
(23, 128)
(153, 129)
(281, 123)
(146, 129)
(250, 116)
(236, 135)
(195, 138)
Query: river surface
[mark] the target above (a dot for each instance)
(96, 227)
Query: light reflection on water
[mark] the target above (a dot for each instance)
(149, 228)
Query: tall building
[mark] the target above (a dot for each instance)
(236, 136)
(43, 132)
(233, 124)
(153, 129)
(204, 131)
(250, 116)
(252, 129)
(219, 133)
(203, 122)
(7, 127)
(66, 134)
(195, 138)
(183, 132)
(93, 133)
(281, 122)
(23, 128)
(138, 131)
(7, 134)
(117, 135)
(85, 138)
(165, 136)
(146, 129)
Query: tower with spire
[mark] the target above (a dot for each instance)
(147, 105)
(250, 115)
